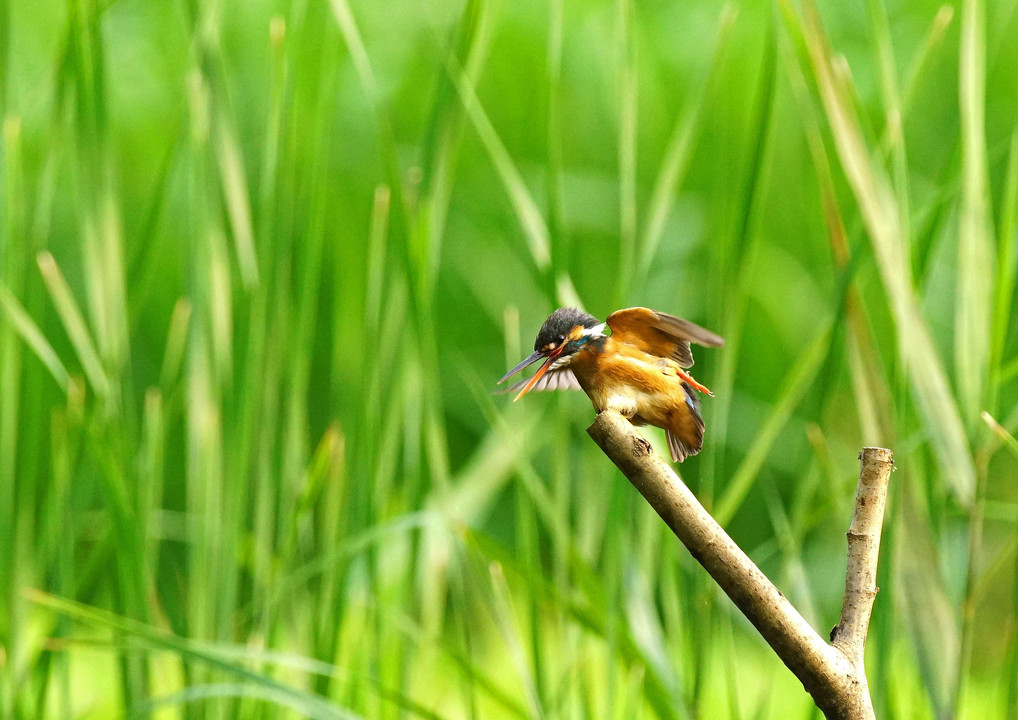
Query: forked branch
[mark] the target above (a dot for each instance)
(833, 673)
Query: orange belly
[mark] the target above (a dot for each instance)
(644, 388)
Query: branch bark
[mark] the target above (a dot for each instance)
(833, 673)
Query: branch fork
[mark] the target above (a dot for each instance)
(833, 673)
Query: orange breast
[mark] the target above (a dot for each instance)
(623, 374)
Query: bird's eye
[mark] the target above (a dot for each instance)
(561, 338)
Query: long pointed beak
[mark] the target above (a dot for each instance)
(533, 358)
(537, 376)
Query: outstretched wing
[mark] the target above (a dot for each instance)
(562, 379)
(660, 334)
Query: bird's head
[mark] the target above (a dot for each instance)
(564, 333)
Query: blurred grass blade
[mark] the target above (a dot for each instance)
(1007, 260)
(527, 212)
(376, 265)
(555, 169)
(321, 468)
(1003, 560)
(627, 160)
(241, 691)
(1001, 433)
(151, 476)
(645, 628)
(891, 97)
(441, 147)
(390, 152)
(33, 337)
(931, 42)
(930, 615)
(176, 343)
(105, 282)
(679, 153)
(12, 396)
(508, 625)
(789, 536)
(74, 324)
(355, 44)
(238, 203)
(974, 302)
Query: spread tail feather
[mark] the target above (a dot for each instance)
(686, 438)
(680, 449)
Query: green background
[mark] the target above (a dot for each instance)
(261, 264)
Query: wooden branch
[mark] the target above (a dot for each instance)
(863, 549)
(832, 673)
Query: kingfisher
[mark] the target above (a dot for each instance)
(639, 369)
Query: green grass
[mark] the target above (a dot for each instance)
(261, 264)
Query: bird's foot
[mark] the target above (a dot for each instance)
(623, 406)
(686, 377)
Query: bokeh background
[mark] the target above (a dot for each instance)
(262, 262)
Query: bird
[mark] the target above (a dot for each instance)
(638, 368)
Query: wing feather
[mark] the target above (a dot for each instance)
(562, 379)
(660, 334)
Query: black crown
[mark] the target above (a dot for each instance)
(559, 323)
